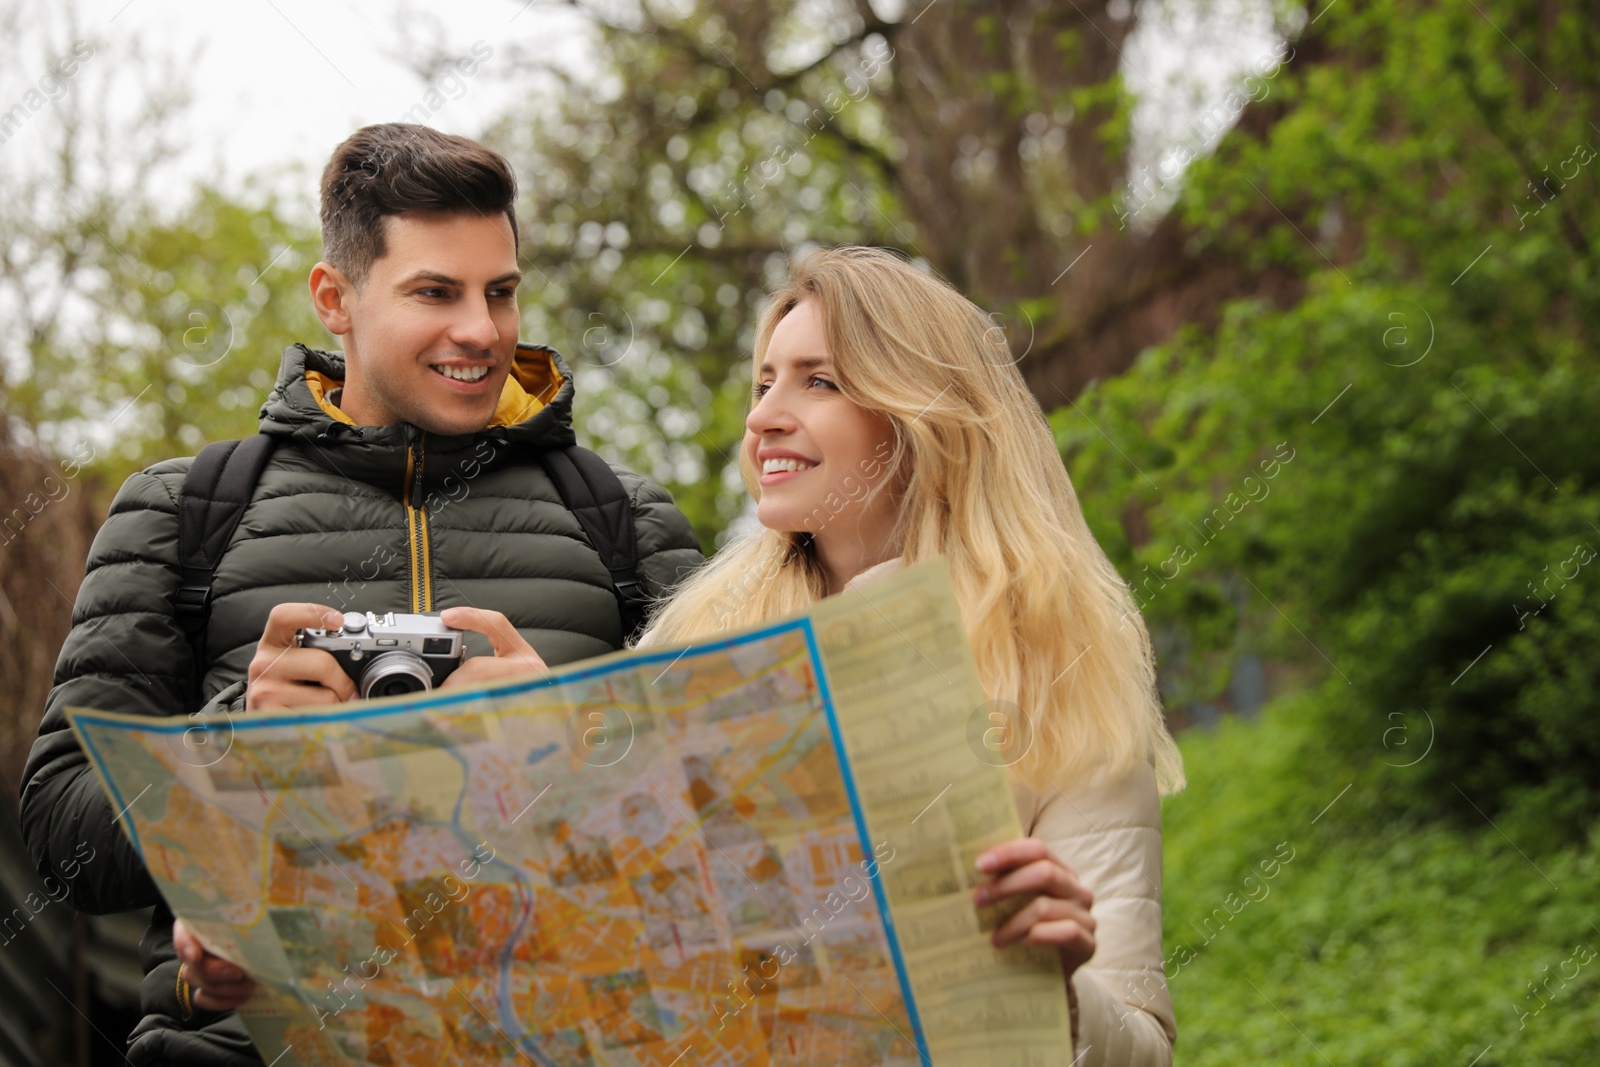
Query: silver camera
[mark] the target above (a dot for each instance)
(390, 655)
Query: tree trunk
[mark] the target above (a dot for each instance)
(969, 80)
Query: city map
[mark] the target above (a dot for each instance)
(755, 850)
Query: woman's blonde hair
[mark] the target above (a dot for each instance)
(1053, 627)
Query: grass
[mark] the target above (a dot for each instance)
(1379, 941)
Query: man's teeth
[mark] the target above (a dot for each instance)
(773, 466)
(463, 374)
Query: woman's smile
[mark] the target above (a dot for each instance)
(781, 465)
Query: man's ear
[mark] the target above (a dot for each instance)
(332, 294)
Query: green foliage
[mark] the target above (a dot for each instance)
(1425, 554)
(133, 325)
(189, 324)
(1380, 941)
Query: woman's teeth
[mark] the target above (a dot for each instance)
(773, 466)
(463, 374)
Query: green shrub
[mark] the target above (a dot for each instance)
(1400, 943)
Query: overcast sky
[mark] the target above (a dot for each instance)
(276, 81)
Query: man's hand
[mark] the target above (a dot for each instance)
(285, 676)
(214, 983)
(513, 657)
(1057, 913)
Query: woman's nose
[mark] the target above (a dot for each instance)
(769, 415)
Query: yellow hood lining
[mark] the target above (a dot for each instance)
(534, 381)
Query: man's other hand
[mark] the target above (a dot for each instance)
(512, 657)
(214, 983)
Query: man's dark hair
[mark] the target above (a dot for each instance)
(398, 167)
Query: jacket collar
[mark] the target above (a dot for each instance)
(535, 411)
(874, 572)
(535, 406)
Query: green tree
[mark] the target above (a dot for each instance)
(1427, 557)
(130, 329)
(123, 310)
(990, 141)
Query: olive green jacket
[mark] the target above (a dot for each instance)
(369, 518)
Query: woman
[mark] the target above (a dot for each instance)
(889, 425)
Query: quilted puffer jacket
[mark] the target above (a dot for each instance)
(369, 518)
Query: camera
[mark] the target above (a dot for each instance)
(390, 655)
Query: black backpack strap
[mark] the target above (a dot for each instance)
(215, 493)
(593, 492)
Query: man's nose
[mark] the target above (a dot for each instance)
(474, 327)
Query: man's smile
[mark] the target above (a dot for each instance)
(462, 373)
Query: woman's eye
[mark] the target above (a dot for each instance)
(762, 388)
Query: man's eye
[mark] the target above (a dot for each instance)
(503, 294)
(432, 291)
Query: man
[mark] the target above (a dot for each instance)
(405, 477)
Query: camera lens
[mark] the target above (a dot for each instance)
(395, 674)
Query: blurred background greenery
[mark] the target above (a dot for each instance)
(1327, 393)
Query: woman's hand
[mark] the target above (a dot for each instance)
(1057, 913)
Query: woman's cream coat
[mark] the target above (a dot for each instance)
(1109, 835)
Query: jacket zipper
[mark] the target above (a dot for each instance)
(417, 531)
